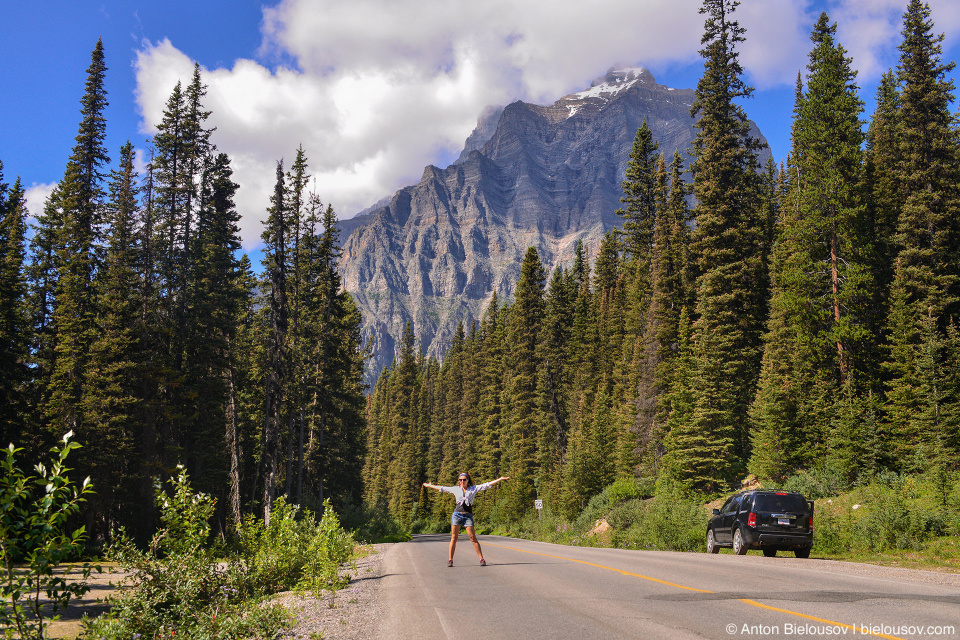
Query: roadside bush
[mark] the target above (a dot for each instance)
(817, 483)
(35, 540)
(374, 523)
(329, 548)
(625, 514)
(292, 552)
(177, 585)
(541, 525)
(674, 520)
(182, 586)
(598, 507)
(893, 512)
(430, 526)
(623, 489)
(890, 523)
(832, 533)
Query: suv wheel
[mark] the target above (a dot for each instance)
(711, 543)
(769, 552)
(803, 553)
(739, 547)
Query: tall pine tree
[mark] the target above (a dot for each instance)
(726, 248)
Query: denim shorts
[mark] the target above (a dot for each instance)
(461, 519)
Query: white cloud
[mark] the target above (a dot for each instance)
(777, 40)
(36, 197)
(382, 88)
(870, 30)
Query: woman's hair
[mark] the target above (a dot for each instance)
(469, 477)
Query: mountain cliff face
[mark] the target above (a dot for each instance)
(529, 175)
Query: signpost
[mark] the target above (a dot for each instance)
(538, 505)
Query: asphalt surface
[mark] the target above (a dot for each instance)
(536, 591)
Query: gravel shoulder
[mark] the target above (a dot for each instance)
(353, 613)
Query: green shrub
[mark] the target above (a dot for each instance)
(891, 513)
(292, 552)
(35, 540)
(182, 586)
(674, 520)
(626, 514)
(598, 507)
(328, 549)
(817, 483)
(623, 489)
(832, 532)
(177, 585)
(427, 526)
(374, 523)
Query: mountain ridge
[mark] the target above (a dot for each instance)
(529, 175)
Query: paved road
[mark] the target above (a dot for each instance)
(537, 591)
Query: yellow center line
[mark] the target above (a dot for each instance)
(752, 603)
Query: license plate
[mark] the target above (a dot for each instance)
(785, 521)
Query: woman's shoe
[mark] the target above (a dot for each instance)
(483, 562)
(449, 563)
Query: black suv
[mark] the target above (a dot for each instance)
(767, 520)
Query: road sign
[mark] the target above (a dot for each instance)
(538, 504)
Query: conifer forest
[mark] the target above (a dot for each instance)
(746, 319)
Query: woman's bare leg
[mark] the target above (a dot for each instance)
(476, 543)
(454, 534)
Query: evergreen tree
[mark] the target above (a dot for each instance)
(881, 158)
(297, 393)
(639, 195)
(112, 380)
(275, 264)
(14, 317)
(80, 199)
(332, 362)
(401, 433)
(42, 281)
(924, 294)
(727, 248)
(216, 295)
(555, 382)
(526, 320)
(182, 155)
(818, 346)
(492, 390)
(827, 151)
(669, 269)
(927, 230)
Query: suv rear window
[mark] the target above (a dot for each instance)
(770, 502)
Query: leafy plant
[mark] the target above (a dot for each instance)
(623, 489)
(35, 512)
(817, 483)
(186, 586)
(179, 586)
(293, 551)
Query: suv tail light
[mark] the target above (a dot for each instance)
(752, 520)
(811, 522)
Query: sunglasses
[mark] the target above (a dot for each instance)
(461, 479)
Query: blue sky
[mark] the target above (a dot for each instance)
(377, 89)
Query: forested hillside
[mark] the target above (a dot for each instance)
(796, 317)
(129, 316)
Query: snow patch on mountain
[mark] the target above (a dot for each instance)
(605, 88)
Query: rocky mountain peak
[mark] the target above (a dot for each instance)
(545, 176)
